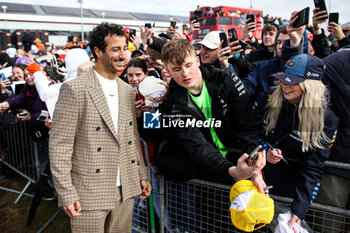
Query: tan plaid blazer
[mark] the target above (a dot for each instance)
(85, 149)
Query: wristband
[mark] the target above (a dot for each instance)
(236, 56)
(250, 35)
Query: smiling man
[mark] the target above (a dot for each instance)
(205, 93)
(95, 153)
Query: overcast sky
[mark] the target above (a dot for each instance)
(281, 8)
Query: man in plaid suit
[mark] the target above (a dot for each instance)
(95, 153)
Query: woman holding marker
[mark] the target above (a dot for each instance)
(302, 129)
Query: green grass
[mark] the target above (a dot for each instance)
(13, 217)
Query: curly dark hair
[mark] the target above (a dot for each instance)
(98, 34)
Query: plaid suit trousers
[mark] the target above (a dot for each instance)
(116, 220)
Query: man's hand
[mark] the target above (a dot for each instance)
(292, 220)
(222, 55)
(235, 47)
(295, 34)
(146, 189)
(171, 30)
(178, 35)
(26, 117)
(273, 157)
(145, 34)
(245, 28)
(243, 171)
(135, 40)
(260, 184)
(72, 210)
(138, 106)
(336, 31)
(318, 18)
(48, 123)
(4, 84)
(194, 26)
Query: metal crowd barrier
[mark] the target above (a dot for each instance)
(24, 156)
(143, 209)
(193, 206)
(202, 206)
(28, 158)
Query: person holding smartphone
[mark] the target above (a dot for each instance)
(213, 53)
(5, 86)
(289, 42)
(320, 41)
(128, 39)
(201, 92)
(337, 32)
(245, 63)
(29, 100)
(247, 31)
(18, 72)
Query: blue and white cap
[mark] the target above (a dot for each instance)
(299, 68)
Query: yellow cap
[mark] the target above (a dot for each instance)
(249, 207)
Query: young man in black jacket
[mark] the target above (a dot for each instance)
(244, 64)
(208, 114)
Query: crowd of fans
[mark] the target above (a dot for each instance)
(304, 114)
(259, 18)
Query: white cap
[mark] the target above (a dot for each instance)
(11, 52)
(211, 40)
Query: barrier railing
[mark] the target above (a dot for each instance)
(24, 156)
(202, 206)
(194, 206)
(141, 217)
(28, 159)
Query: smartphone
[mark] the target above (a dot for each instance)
(251, 18)
(194, 17)
(132, 32)
(334, 17)
(42, 118)
(148, 25)
(223, 37)
(173, 24)
(44, 115)
(232, 34)
(303, 17)
(321, 5)
(23, 114)
(3, 77)
(254, 155)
